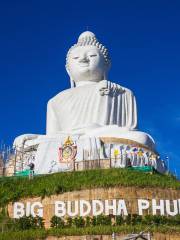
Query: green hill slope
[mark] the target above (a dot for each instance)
(14, 188)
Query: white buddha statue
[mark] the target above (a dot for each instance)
(93, 106)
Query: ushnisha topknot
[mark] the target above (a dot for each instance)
(89, 38)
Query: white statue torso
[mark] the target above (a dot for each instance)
(83, 106)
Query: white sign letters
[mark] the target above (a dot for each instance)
(96, 207)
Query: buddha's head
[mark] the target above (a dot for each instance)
(88, 60)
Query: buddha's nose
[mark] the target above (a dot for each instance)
(83, 58)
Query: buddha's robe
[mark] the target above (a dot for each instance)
(84, 106)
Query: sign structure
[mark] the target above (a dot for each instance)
(68, 151)
(97, 207)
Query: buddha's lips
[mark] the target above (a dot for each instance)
(84, 65)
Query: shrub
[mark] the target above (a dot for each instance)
(94, 221)
(175, 220)
(69, 222)
(147, 219)
(57, 222)
(78, 222)
(39, 222)
(119, 220)
(25, 223)
(101, 220)
(128, 219)
(88, 221)
(30, 222)
(135, 219)
(157, 219)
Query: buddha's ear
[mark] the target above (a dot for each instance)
(67, 70)
(72, 83)
(105, 76)
(71, 80)
(107, 68)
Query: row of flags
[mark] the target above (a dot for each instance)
(134, 151)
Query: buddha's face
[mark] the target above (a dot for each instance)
(86, 63)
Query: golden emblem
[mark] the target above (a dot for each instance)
(68, 151)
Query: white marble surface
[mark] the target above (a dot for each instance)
(85, 106)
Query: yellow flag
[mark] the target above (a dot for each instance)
(116, 152)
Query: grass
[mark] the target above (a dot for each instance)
(97, 230)
(14, 188)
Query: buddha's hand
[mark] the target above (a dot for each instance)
(103, 87)
(108, 88)
(20, 141)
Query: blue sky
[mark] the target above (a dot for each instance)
(143, 38)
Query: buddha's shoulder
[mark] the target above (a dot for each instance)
(127, 90)
(124, 89)
(63, 96)
(58, 97)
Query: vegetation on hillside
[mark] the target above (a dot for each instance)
(14, 188)
(96, 230)
(29, 228)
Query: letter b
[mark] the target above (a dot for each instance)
(19, 210)
(60, 209)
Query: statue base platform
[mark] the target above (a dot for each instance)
(73, 153)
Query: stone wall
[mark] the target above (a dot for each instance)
(129, 194)
(156, 236)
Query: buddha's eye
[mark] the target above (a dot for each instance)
(76, 57)
(93, 55)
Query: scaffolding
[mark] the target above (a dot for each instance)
(15, 161)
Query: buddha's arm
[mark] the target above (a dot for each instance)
(20, 142)
(52, 127)
(131, 109)
(128, 101)
(52, 122)
(109, 88)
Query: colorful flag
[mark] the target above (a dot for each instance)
(140, 152)
(116, 152)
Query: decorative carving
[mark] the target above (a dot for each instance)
(68, 151)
